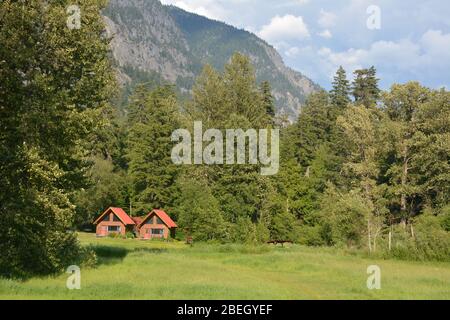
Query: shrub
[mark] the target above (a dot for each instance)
(311, 236)
(445, 218)
(430, 242)
(114, 235)
(130, 235)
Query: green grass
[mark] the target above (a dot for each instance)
(133, 269)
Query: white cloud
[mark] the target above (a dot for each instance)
(326, 34)
(427, 57)
(292, 52)
(413, 43)
(208, 8)
(327, 19)
(284, 28)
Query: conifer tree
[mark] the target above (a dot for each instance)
(268, 101)
(339, 95)
(151, 171)
(365, 87)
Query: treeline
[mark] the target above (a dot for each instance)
(361, 168)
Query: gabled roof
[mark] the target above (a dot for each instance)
(163, 216)
(122, 215)
(137, 220)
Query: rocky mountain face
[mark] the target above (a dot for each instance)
(153, 41)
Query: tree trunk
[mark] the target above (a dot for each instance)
(390, 240)
(369, 235)
(403, 199)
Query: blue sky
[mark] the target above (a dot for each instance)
(316, 36)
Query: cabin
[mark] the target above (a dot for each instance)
(157, 225)
(114, 221)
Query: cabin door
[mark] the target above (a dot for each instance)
(104, 231)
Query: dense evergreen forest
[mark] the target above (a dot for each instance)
(361, 168)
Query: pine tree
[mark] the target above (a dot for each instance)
(339, 95)
(268, 101)
(242, 93)
(152, 174)
(313, 127)
(365, 87)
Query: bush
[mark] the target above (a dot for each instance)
(114, 235)
(445, 218)
(430, 242)
(311, 236)
(130, 235)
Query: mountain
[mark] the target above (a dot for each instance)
(152, 41)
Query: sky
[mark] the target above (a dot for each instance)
(404, 40)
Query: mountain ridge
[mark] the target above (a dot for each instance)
(166, 42)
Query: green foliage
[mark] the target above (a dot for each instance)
(445, 218)
(365, 88)
(244, 231)
(108, 188)
(429, 243)
(152, 119)
(346, 214)
(198, 211)
(339, 95)
(232, 99)
(55, 84)
(284, 227)
(267, 98)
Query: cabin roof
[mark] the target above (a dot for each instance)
(120, 213)
(163, 216)
(137, 220)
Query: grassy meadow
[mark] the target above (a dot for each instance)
(133, 269)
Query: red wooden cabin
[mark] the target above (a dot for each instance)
(157, 225)
(114, 221)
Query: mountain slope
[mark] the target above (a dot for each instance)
(167, 42)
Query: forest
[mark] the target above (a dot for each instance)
(361, 168)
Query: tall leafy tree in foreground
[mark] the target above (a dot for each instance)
(401, 104)
(432, 145)
(362, 126)
(54, 83)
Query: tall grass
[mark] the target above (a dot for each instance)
(133, 269)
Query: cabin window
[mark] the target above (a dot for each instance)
(158, 220)
(107, 218)
(113, 228)
(115, 218)
(157, 232)
(150, 221)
